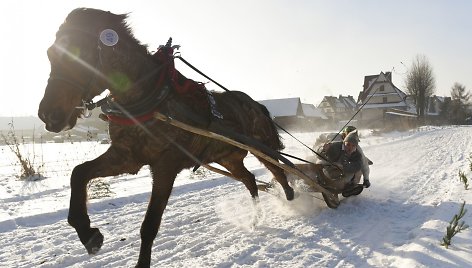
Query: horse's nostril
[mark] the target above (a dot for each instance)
(41, 116)
(55, 117)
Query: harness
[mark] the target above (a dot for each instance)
(170, 80)
(136, 113)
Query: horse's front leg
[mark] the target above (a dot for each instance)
(163, 174)
(111, 163)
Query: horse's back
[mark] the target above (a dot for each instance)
(248, 117)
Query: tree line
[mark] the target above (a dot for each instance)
(421, 83)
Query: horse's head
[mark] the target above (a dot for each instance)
(85, 60)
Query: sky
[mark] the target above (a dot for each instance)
(210, 220)
(268, 48)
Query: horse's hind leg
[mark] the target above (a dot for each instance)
(280, 177)
(235, 165)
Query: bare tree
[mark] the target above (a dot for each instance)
(420, 83)
(458, 106)
(458, 92)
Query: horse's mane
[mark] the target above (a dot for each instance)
(94, 20)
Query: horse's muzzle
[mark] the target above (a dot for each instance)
(55, 121)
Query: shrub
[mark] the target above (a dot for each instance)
(463, 178)
(454, 227)
(470, 161)
(28, 170)
(98, 188)
(200, 174)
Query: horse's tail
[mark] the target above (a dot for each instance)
(273, 128)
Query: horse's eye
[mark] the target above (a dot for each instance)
(61, 45)
(64, 50)
(74, 52)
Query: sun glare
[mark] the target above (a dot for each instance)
(25, 66)
(31, 26)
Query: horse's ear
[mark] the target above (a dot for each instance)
(109, 37)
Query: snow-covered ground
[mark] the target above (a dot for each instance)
(398, 222)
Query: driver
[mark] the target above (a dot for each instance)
(345, 172)
(365, 161)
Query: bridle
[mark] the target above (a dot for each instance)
(85, 91)
(87, 103)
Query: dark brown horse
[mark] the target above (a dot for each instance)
(95, 50)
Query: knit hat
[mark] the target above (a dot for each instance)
(352, 137)
(348, 129)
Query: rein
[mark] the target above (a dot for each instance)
(201, 73)
(144, 110)
(280, 127)
(352, 117)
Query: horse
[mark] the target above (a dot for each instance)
(95, 50)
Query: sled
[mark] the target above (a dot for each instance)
(310, 174)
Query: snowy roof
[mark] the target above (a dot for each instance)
(439, 98)
(330, 100)
(346, 102)
(311, 111)
(282, 107)
(339, 104)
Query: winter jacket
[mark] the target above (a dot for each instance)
(337, 137)
(350, 163)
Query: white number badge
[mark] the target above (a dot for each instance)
(109, 37)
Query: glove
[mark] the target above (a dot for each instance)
(366, 183)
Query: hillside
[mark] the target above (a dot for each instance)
(26, 126)
(21, 123)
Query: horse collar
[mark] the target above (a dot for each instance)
(135, 113)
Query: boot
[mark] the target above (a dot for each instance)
(352, 190)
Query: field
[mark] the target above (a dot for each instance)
(210, 220)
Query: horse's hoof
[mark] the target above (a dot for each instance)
(143, 264)
(95, 242)
(289, 193)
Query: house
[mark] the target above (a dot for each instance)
(283, 108)
(310, 111)
(434, 105)
(382, 103)
(337, 109)
(434, 108)
(291, 113)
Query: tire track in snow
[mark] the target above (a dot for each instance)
(407, 197)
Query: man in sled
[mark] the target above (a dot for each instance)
(337, 169)
(324, 139)
(340, 170)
